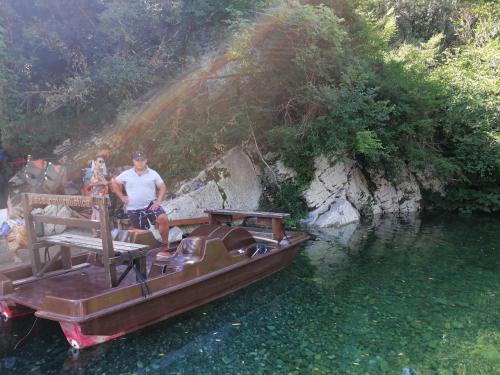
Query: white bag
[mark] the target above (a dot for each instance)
(155, 231)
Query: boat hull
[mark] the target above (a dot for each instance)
(9, 310)
(83, 334)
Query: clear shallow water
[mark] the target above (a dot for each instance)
(389, 297)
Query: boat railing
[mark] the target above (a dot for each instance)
(112, 252)
(275, 220)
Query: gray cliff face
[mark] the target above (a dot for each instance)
(232, 182)
(340, 193)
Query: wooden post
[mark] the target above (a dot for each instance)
(219, 218)
(66, 257)
(141, 263)
(34, 252)
(107, 242)
(278, 229)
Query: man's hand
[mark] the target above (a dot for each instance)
(118, 190)
(155, 205)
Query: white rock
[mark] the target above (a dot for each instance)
(175, 234)
(329, 183)
(194, 203)
(232, 182)
(343, 180)
(357, 191)
(340, 213)
(280, 173)
(402, 196)
(242, 186)
(343, 235)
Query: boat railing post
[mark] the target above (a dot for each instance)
(34, 251)
(278, 229)
(107, 242)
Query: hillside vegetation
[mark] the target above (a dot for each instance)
(391, 83)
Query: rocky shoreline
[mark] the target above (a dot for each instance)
(341, 192)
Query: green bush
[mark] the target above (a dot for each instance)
(391, 83)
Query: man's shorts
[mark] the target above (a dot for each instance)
(140, 219)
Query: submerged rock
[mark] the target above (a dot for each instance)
(340, 213)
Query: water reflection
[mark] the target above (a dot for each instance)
(333, 249)
(387, 296)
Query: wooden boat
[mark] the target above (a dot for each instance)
(94, 296)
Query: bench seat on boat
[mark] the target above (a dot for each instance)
(93, 244)
(189, 251)
(111, 253)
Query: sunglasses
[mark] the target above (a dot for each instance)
(100, 161)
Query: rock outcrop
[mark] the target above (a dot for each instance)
(231, 182)
(341, 192)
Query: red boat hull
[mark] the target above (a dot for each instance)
(13, 310)
(158, 308)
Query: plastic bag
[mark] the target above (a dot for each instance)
(87, 174)
(155, 231)
(4, 229)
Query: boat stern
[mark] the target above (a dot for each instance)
(79, 340)
(9, 310)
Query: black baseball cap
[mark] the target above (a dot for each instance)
(139, 155)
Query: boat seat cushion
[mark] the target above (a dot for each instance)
(204, 230)
(237, 238)
(234, 238)
(192, 247)
(189, 251)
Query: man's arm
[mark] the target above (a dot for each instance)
(117, 188)
(10, 209)
(162, 191)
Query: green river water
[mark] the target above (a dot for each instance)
(414, 296)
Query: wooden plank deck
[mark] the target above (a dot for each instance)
(90, 243)
(83, 282)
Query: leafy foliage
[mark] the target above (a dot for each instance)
(392, 83)
(287, 198)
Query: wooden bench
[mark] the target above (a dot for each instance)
(272, 219)
(113, 252)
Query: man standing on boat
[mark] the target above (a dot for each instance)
(145, 191)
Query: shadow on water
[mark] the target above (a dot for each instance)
(397, 296)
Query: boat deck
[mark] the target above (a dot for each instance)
(89, 280)
(78, 284)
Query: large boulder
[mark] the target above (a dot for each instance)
(340, 213)
(337, 179)
(232, 182)
(341, 192)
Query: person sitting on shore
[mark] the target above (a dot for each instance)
(145, 191)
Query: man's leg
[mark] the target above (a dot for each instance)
(136, 220)
(163, 227)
